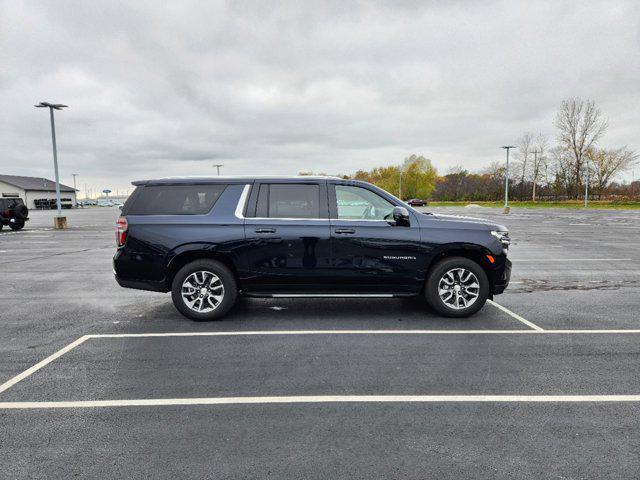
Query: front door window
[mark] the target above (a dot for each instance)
(357, 203)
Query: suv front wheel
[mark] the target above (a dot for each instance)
(204, 290)
(457, 287)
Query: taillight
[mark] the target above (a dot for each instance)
(121, 231)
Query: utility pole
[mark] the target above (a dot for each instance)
(218, 165)
(506, 180)
(535, 173)
(60, 222)
(400, 186)
(586, 183)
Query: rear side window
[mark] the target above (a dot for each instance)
(293, 201)
(175, 199)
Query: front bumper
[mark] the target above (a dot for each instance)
(502, 282)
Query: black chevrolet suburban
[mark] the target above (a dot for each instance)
(208, 240)
(13, 212)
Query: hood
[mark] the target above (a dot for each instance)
(459, 221)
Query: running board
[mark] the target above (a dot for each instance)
(332, 295)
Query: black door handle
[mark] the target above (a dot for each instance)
(265, 230)
(345, 230)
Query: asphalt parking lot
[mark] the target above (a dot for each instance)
(99, 381)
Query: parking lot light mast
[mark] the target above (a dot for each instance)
(218, 165)
(506, 179)
(74, 185)
(52, 107)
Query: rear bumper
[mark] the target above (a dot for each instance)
(502, 278)
(132, 271)
(8, 221)
(141, 285)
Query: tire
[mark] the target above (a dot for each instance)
(17, 225)
(453, 275)
(20, 212)
(204, 274)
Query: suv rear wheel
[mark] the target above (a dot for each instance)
(204, 290)
(17, 225)
(457, 287)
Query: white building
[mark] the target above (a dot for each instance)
(36, 192)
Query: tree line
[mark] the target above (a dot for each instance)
(539, 171)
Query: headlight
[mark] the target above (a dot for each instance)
(503, 237)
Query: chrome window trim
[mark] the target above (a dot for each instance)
(288, 219)
(358, 220)
(242, 202)
(317, 219)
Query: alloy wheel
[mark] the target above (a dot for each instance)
(459, 288)
(202, 291)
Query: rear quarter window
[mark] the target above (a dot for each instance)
(174, 199)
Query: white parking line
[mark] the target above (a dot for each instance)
(363, 332)
(311, 399)
(39, 365)
(534, 331)
(515, 315)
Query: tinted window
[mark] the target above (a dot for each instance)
(294, 201)
(175, 199)
(357, 203)
(10, 202)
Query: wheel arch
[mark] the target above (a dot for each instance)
(474, 252)
(200, 252)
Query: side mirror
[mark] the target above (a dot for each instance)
(401, 217)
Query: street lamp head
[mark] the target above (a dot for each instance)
(55, 106)
(509, 146)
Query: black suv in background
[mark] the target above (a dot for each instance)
(13, 212)
(207, 240)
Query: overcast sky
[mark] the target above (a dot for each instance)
(277, 88)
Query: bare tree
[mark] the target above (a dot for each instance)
(581, 126)
(495, 173)
(560, 167)
(538, 163)
(606, 164)
(525, 147)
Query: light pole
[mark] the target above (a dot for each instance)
(506, 180)
(60, 222)
(586, 183)
(74, 186)
(218, 165)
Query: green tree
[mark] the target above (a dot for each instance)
(418, 178)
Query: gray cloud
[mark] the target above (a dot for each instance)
(268, 87)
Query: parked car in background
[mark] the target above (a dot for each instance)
(13, 212)
(416, 202)
(208, 240)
